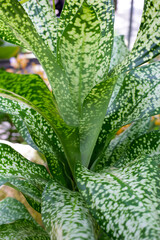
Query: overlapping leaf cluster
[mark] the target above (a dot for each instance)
(99, 186)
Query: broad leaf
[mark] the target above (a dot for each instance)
(147, 45)
(125, 201)
(7, 34)
(65, 215)
(22, 88)
(43, 135)
(14, 165)
(148, 143)
(17, 222)
(78, 49)
(93, 113)
(44, 20)
(23, 130)
(118, 145)
(12, 13)
(138, 98)
(31, 192)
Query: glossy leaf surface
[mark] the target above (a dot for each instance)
(42, 134)
(119, 144)
(17, 222)
(65, 215)
(124, 201)
(44, 20)
(147, 45)
(138, 98)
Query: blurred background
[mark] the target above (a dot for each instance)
(14, 59)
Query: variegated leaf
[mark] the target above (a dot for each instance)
(44, 20)
(105, 14)
(7, 34)
(147, 45)
(78, 49)
(65, 215)
(12, 13)
(23, 130)
(43, 136)
(24, 88)
(31, 192)
(93, 113)
(125, 201)
(138, 98)
(118, 145)
(17, 223)
(148, 143)
(15, 165)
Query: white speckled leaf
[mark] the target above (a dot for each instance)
(43, 136)
(12, 164)
(78, 48)
(147, 45)
(125, 201)
(138, 98)
(44, 20)
(12, 13)
(31, 90)
(17, 223)
(65, 215)
(7, 34)
(93, 113)
(148, 143)
(23, 130)
(30, 191)
(105, 14)
(118, 145)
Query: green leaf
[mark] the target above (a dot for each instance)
(65, 215)
(7, 34)
(12, 164)
(138, 98)
(12, 13)
(17, 222)
(24, 88)
(148, 143)
(44, 20)
(119, 51)
(31, 192)
(23, 130)
(93, 113)
(118, 145)
(105, 15)
(124, 201)
(43, 136)
(147, 45)
(78, 48)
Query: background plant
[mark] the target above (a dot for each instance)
(96, 182)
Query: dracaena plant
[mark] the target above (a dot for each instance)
(99, 185)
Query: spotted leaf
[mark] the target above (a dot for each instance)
(12, 13)
(44, 20)
(7, 34)
(15, 165)
(31, 89)
(30, 191)
(124, 201)
(138, 97)
(65, 215)
(43, 135)
(93, 113)
(148, 143)
(117, 147)
(17, 223)
(147, 45)
(78, 52)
